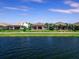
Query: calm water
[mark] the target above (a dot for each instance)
(39, 48)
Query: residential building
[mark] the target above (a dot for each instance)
(38, 26)
(25, 24)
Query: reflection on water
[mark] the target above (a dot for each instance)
(39, 48)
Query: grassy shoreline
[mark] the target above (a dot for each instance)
(41, 34)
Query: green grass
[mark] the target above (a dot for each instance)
(37, 31)
(26, 34)
(20, 33)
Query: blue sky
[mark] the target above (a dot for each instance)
(51, 11)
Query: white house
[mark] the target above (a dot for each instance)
(25, 24)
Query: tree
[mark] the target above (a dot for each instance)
(47, 26)
(24, 29)
(30, 26)
(76, 26)
(51, 27)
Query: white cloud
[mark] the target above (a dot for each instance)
(72, 3)
(68, 11)
(21, 8)
(60, 10)
(37, 1)
(74, 9)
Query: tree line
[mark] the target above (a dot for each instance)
(60, 26)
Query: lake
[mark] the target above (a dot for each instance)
(39, 48)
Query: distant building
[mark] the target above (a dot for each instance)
(14, 27)
(25, 24)
(38, 26)
(4, 26)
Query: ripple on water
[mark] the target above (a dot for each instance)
(39, 48)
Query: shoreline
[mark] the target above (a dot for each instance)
(39, 34)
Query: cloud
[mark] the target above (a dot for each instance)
(74, 9)
(72, 3)
(24, 14)
(21, 8)
(60, 10)
(37, 1)
(68, 11)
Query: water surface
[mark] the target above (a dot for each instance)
(39, 48)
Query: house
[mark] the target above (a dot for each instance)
(38, 26)
(14, 27)
(4, 26)
(60, 26)
(24, 24)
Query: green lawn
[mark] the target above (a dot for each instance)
(13, 33)
(53, 34)
(37, 31)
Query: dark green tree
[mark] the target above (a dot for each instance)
(24, 29)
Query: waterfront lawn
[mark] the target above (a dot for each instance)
(37, 31)
(25, 34)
